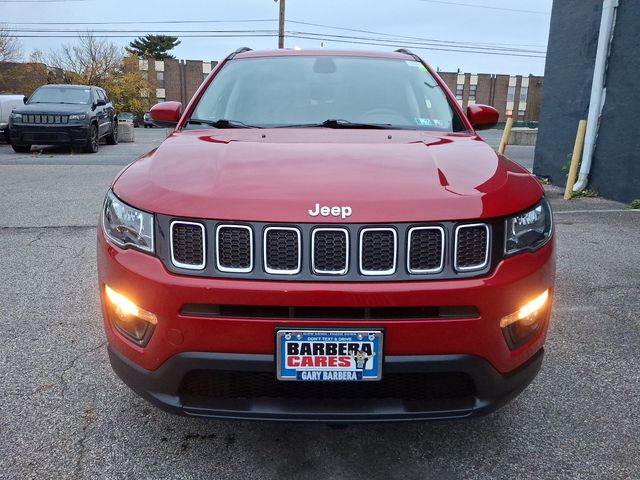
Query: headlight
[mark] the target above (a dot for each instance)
(16, 116)
(77, 116)
(529, 230)
(127, 226)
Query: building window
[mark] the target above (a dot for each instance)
(160, 79)
(473, 90)
(160, 99)
(511, 94)
(521, 114)
(524, 91)
(204, 76)
(144, 74)
(460, 81)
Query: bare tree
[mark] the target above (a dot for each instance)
(91, 60)
(10, 47)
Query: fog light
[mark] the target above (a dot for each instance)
(132, 321)
(521, 326)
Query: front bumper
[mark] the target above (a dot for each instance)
(164, 387)
(182, 343)
(75, 135)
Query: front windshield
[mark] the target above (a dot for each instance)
(62, 94)
(309, 90)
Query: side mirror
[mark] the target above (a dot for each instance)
(101, 102)
(482, 117)
(25, 100)
(166, 114)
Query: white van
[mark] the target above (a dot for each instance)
(7, 104)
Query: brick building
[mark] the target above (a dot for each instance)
(24, 78)
(515, 96)
(174, 80)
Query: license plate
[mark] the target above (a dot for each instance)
(329, 356)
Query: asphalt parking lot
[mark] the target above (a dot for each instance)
(64, 413)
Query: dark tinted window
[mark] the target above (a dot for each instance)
(62, 94)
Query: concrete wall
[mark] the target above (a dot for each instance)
(571, 54)
(616, 167)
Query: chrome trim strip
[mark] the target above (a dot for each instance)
(228, 269)
(313, 244)
(276, 271)
(395, 252)
(455, 248)
(442, 249)
(204, 247)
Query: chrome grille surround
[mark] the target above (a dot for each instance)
(477, 266)
(313, 249)
(189, 266)
(389, 271)
(223, 268)
(439, 268)
(275, 271)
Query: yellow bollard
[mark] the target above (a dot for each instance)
(575, 159)
(506, 136)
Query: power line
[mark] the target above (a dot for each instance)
(145, 22)
(405, 37)
(488, 7)
(120, 33)
(297, 34)
(320, 37)
(43, 1)
(509, 54)
(168, 22)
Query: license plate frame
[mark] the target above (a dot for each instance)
(364, 362)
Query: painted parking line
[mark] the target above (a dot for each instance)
(617, 210)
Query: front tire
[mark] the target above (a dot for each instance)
(112, 138)
(21, 148)
(93, 142)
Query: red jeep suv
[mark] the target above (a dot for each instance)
(324, 237)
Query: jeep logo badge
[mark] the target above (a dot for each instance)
(325, 211)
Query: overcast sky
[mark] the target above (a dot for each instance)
(440, 28)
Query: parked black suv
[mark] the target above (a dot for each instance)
(75, 115)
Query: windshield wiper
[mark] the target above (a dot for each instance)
(339, 123)
(221, 123)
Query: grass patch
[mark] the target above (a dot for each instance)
(544, 180)
(635, 204)
(586, 193)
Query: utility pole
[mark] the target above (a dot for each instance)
(281, 28)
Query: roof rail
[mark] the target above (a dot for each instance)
(406, 51)
(240, 50)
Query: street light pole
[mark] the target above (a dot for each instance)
(281, 27)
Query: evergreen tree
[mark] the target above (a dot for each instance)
(156, 46)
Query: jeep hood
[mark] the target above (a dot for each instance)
(278, 175)
(59, 108)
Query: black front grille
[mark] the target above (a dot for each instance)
(198, 386)
(336, 253)
(282, 250)
(187, 241)
(45, 119)
(234, 250)
(44, 137)
(471, 247)
(425, 249)
(378, 251)
(330, 251)
(326, 313)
